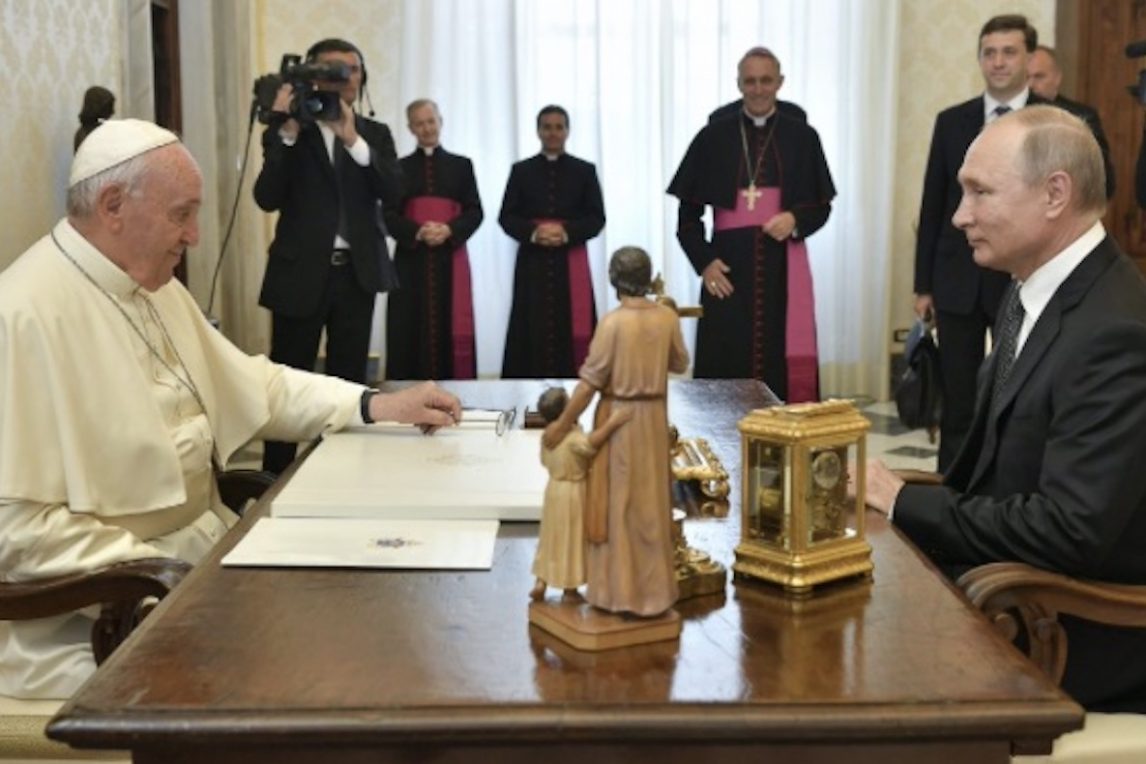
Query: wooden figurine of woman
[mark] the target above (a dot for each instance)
(560, 558)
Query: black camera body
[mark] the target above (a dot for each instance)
(307, 103)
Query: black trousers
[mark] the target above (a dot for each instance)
(346, 313)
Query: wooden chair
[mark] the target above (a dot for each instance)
(126, 593)
(1020, 599)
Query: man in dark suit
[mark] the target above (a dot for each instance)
(1045, 79)
(328, 180)
(949, 287)
(1053, 470)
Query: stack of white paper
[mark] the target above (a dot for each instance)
(356, 543)
(397, 472)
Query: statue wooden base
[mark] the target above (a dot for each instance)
(585, 627)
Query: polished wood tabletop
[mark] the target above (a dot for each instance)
(304, 665)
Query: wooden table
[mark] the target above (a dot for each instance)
(356, 666)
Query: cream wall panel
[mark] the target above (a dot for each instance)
(938, 68)
(50, 52)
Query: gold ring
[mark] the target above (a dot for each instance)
(712, 285)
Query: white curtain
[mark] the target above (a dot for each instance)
(215, 43)
(639, 78)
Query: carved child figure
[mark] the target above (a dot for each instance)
(560, 559)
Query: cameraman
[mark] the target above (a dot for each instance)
(329, 181)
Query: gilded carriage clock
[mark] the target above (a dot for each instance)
(798, 528)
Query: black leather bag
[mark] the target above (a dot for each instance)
(919, 394)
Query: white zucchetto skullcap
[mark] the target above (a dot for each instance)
(114, 142)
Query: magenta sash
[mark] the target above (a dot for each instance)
(800, 332)
(580, 298)
(423, 209)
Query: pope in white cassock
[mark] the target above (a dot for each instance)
(116, 396)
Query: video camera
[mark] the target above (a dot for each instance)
(307, 102)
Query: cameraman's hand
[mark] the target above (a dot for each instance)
(289, 129)
(344, 127)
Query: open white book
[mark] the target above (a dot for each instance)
(394, 471)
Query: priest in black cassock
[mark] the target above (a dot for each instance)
(768, 184)
(552, 206)
(430, 318)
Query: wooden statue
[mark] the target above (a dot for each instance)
(629, 558)
(560, 558)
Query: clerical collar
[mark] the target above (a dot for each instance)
(106, 274)
(428, 150)
(552, 157)
(990, 103)
(759, 121)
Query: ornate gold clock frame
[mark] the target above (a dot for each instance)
(799, 529)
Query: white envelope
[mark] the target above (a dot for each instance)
(356, 543)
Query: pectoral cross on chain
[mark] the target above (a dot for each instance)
(751, 194)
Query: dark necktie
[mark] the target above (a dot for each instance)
(338, 157)
(1009, 325)
(1001, 109)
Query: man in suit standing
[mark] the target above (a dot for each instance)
(329, 181)
(1045, 79)
(961, 296)
(1053, 470)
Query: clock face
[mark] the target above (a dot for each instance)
(827, 469)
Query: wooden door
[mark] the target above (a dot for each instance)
(167, 77)
(1092, 36)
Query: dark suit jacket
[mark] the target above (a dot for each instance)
(1089, 115)
(300, 183)
(1054, 475)
(736, 107)
(944, 266)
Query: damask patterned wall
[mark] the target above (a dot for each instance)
(938, 68)
(50, 52)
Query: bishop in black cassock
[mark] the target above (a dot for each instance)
(553, 313)
(749, 169)
(430, 324)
